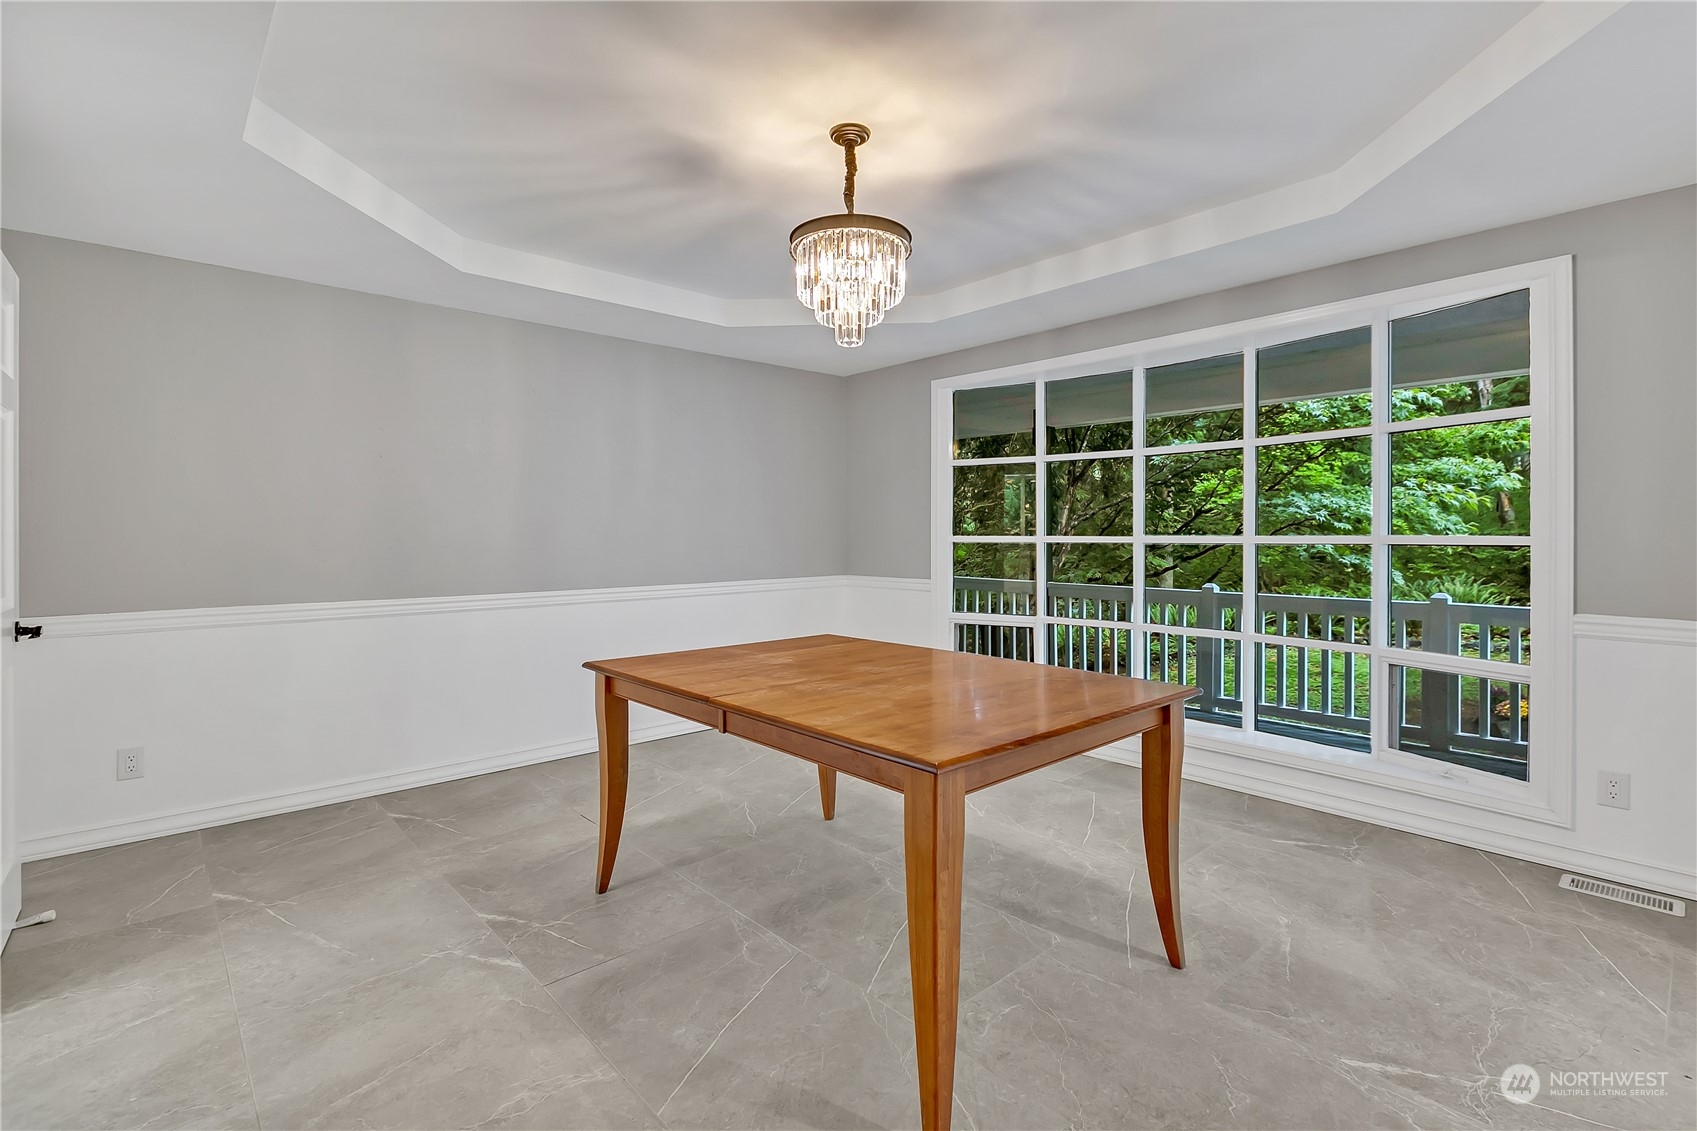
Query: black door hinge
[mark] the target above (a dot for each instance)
(21, 631)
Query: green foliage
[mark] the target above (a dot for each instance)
(1459, 588)
(1195, 427)
(1467, 479)
(1461, 396)
(1445, 481)
(995, 499)
(1315, 488)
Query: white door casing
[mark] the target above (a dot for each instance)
(11, 878)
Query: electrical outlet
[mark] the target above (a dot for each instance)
(129, 762)
(1614, 790)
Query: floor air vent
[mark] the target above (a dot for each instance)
(1623, 895)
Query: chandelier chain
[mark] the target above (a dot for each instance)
(849, 169)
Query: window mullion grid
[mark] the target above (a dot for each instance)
(1001, 620)
(1501, 671)
(1139, 651)
(1379, 584)
(989, 461)
(1249, 681)
(1383, 727)
(1311, 437)
(1040, 554)
(1457, 420)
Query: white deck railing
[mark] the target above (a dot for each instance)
(1304, 686)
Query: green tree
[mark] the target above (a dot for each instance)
(1445, 481)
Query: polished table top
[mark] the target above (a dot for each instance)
(919, 706)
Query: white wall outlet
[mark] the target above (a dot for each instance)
(129, 762)
(1614, 790)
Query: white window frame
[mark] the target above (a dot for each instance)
(1547, 795)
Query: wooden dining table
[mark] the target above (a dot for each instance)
(932, 725)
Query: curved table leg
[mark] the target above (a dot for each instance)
(1163, 759)
(828, 791)
(612, 724)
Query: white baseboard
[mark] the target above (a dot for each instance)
(269, 805)
(1239, 775)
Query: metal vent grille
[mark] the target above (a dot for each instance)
(1620, 894)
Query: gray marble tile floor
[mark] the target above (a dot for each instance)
(438, 958)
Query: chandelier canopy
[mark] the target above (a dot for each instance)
(850, 268)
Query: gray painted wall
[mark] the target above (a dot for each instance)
(193, 436)
(1635, 272)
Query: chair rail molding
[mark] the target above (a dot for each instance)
(1635, 630)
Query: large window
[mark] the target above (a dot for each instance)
(1334, 523)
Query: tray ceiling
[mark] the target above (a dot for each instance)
(634, 168)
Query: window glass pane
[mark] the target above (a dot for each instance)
(1204, 662)
(1315, 592)
(1316, 385)
(1318, 487)
(1092, 497)
(1482, 724)
(1463, 601)
(1319, 694)
(997, 421)
(995, 578)
(1090, 414)
(1011, 642)
(996, 499)
(1194, 493)
(1465, 358)
(1091, 649)
(1194, 402)
(1465, 479)
(1090, 580)
(1194, 586)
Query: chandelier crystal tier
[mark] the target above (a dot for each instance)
(850, 269)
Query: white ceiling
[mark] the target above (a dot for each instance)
(635, 168)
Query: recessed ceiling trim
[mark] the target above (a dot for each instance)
(1543, 34)
(293, 147)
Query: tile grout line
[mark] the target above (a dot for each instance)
(867, 993)
(644, 945)
(230, 986)
(770, 978)
(562, 1010)
(423, 865)
(750, 919)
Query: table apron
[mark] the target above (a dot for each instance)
(668, 702)
(1023, 759)
(856, 763)
(882, 771)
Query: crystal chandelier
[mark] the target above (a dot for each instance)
(850, 268)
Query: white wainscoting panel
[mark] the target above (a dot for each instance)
(251, 711)
(897, 609)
